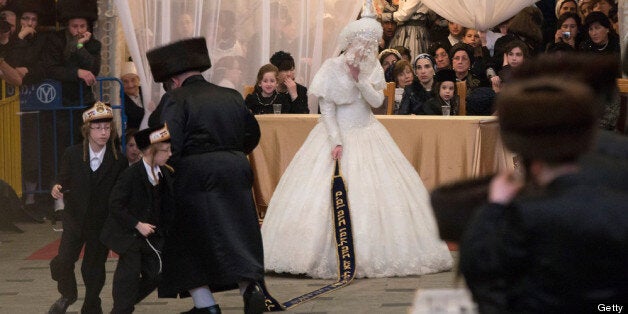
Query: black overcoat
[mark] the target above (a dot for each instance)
(87, 206)
(215, 238)
(131, 201)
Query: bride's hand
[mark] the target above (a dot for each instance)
(355, 71)
(336, 153)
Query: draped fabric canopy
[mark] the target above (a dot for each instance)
(241, 34)
(477, 14)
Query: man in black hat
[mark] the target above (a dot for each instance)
(88, 173)
(73, 58)
(215, 242)
(556, 243)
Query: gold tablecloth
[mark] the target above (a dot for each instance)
(441, 149)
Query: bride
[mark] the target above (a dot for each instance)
(394, 230)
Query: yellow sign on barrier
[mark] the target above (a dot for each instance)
(10, 140)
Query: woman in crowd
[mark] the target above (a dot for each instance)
(566, 6)
(602, 37)
(462, 59)
(516, 53)
(417, 93)
(297, 230)
(387, 58)
(609, 8)
(402, 72)
(567, 33)
(440, 54)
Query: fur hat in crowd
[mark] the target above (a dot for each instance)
(99, 112)
(33, 6)
(547, 118)
(156, 134)
(71, 9)
(445, 75)
(178, 57)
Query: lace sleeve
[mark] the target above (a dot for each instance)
(371, 84)
(328, 117)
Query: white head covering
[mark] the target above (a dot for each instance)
(128, 68)
(559, 3)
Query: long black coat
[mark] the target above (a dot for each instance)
(85, 210)
(134, 112)
(131, 201)
(215, 238)
(562, 250)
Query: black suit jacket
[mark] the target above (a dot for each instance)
(134, 112)
(131, 201)
(86, 205)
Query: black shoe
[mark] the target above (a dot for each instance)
(61, 305)
(214, 309)
(254, 300)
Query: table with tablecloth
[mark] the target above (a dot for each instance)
(442, 149)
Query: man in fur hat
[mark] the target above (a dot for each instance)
(215, 242)
(555, 243)
(73, 58)
(87, 176)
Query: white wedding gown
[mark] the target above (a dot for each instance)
(394, 230)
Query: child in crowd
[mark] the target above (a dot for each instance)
(132, 153)
(265, 94)
(445, 84)
(88, 173)
(140, 202)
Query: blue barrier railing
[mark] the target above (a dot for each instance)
(47, 97)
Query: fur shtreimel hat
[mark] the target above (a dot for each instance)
(547, 118)
(71, 9)
(99, 112)
(445, 75)
(33, 6)
(156, 134)
(178, 57)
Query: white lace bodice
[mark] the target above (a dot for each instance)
(345, 103)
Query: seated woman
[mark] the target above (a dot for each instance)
(402, 73)
(567, 33)
(446, 96)
(265, 94)
(462, 58)
(387, 58)
(602, 37)
(440, 54)
(415, 94)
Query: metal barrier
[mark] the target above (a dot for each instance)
(10, 148)
(43, 101)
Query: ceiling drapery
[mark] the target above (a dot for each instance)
(477, 14)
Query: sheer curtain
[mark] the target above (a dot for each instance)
(477, 14)
(241, 34)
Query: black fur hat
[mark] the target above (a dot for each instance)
(33, 6)
(178, 57)
(547, 118)
(70, 9)
(445, 75)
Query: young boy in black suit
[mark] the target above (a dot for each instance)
(88, 173)
(139, 205)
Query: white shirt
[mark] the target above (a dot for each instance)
(95, 159)
(157, 171)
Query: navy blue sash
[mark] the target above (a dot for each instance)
(344, 243)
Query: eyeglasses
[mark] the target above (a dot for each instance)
(101, 128)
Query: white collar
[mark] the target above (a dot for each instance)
(152, 179)
(98, 155)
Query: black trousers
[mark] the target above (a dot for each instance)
(92, 268)
(137, 274)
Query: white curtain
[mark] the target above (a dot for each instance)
(477, 14)
(241, 34)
